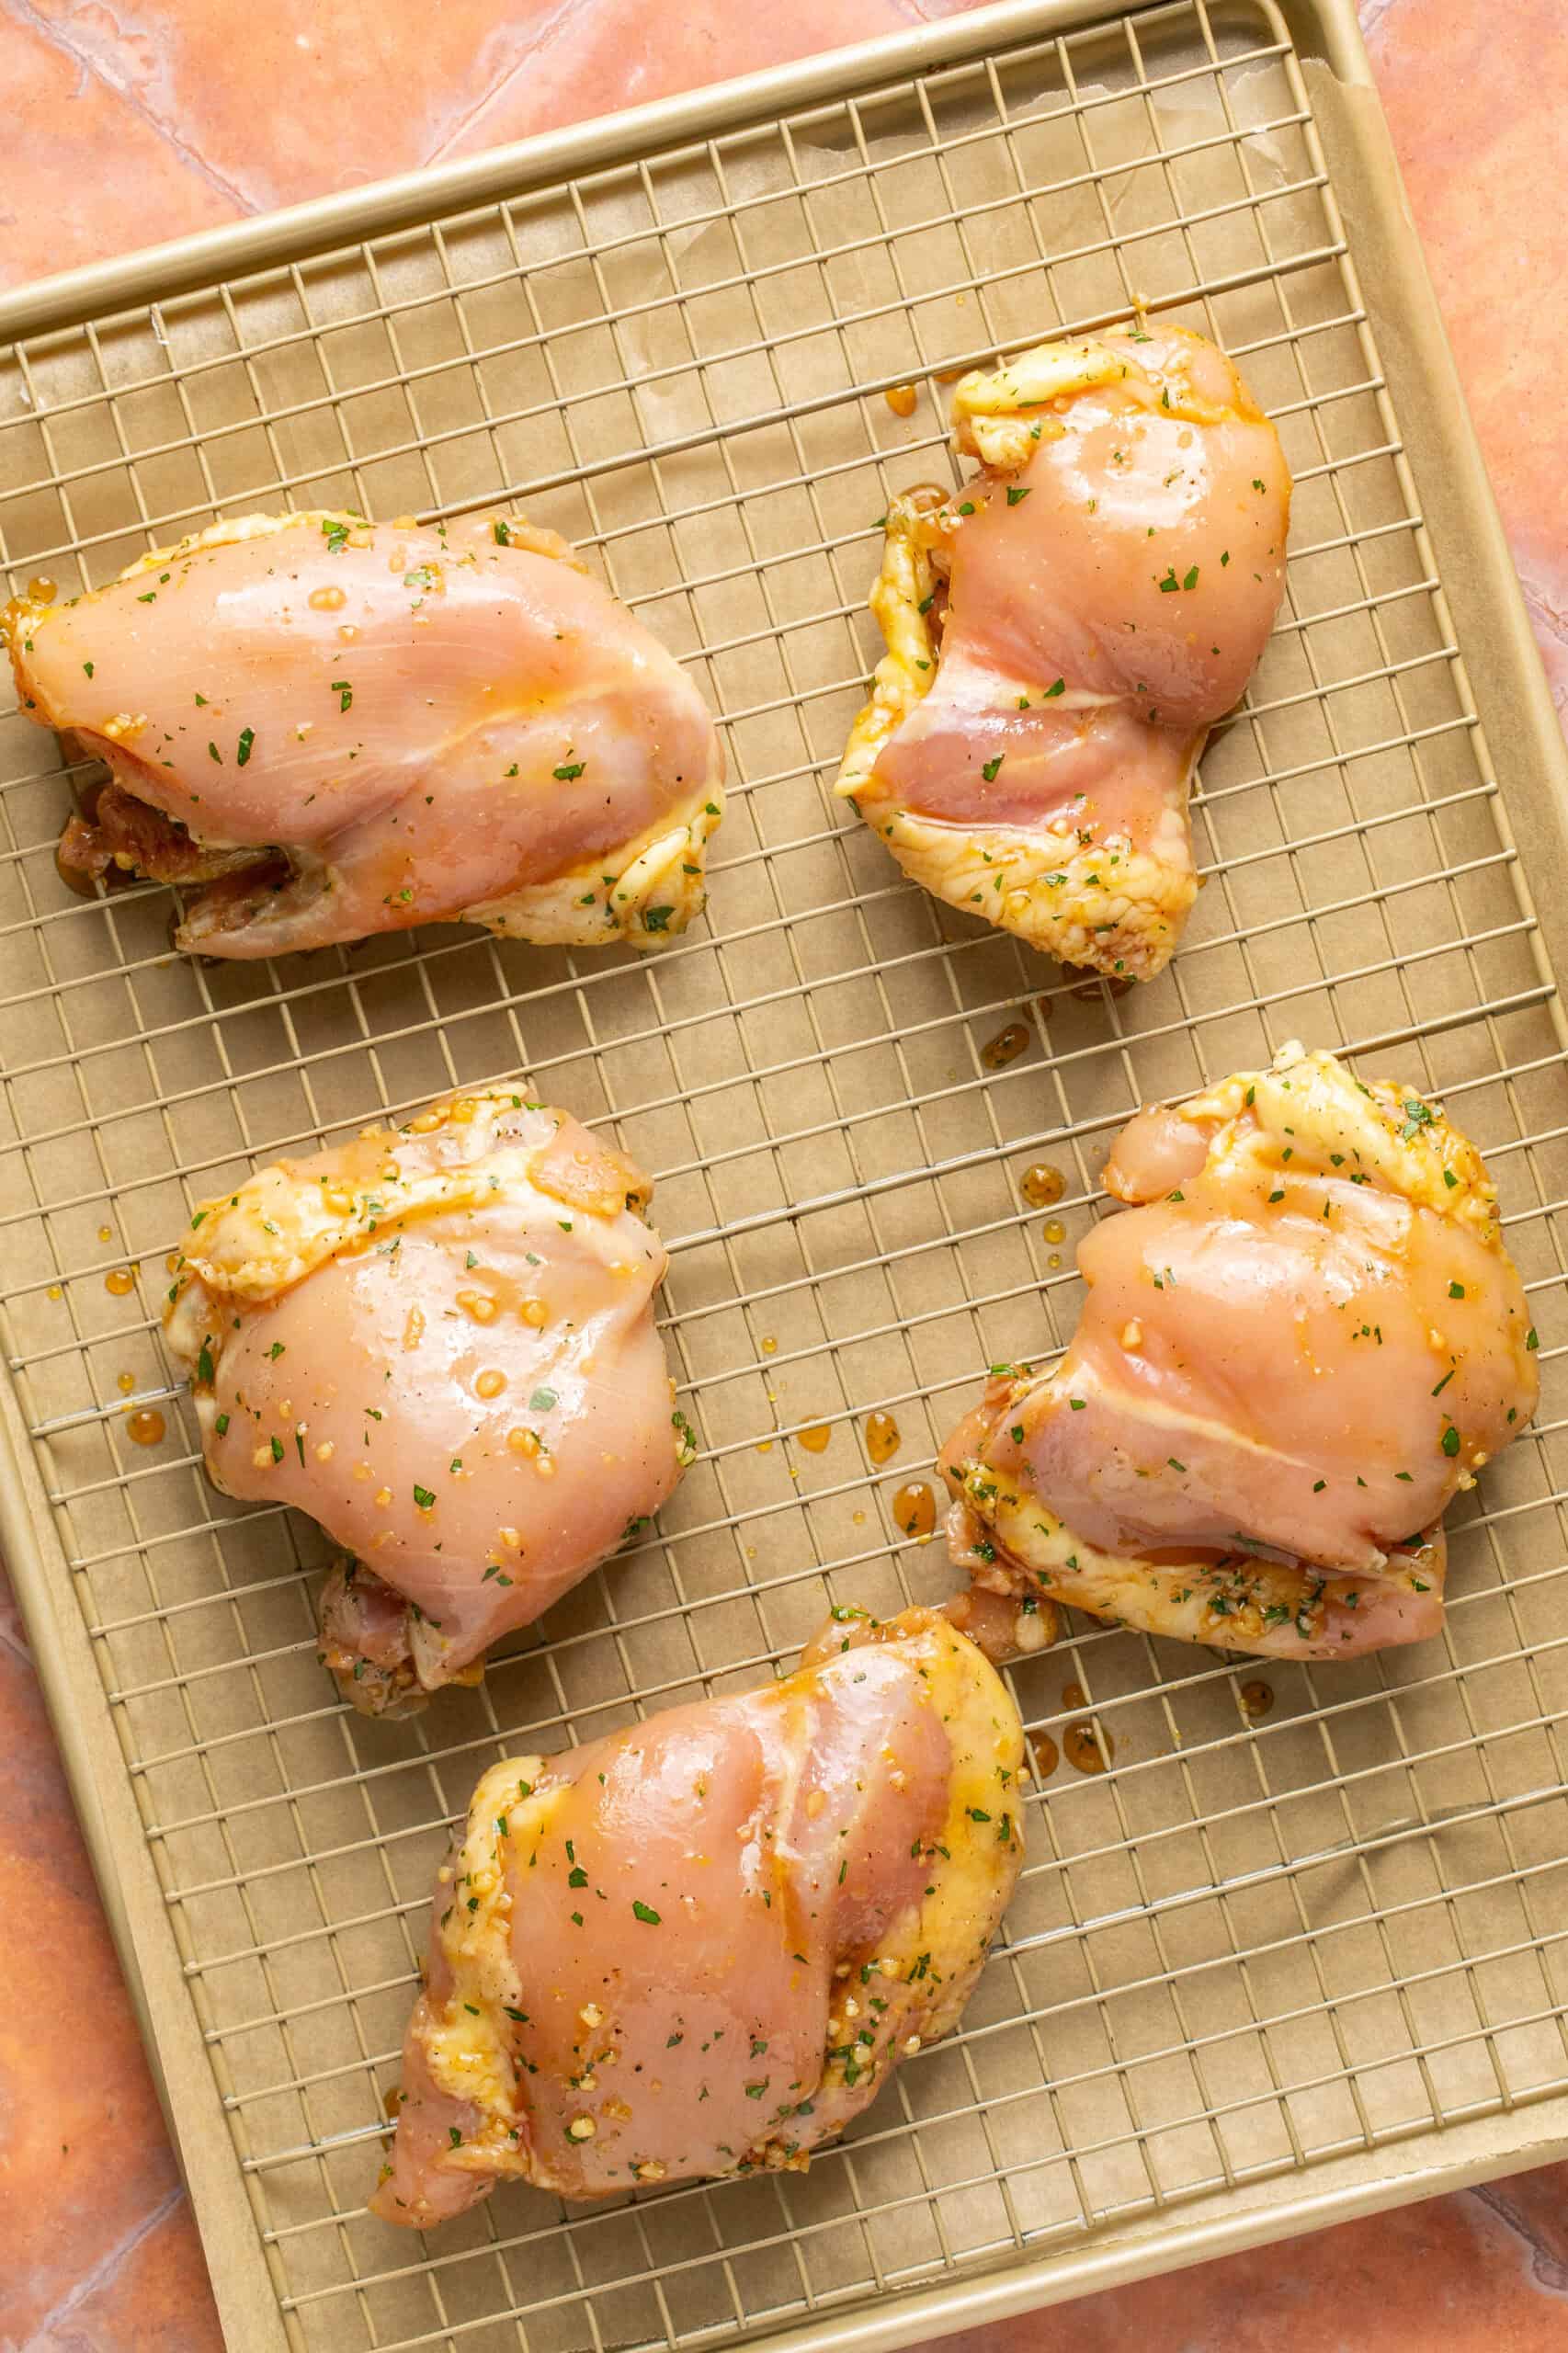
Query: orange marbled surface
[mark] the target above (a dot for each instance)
(125, 118)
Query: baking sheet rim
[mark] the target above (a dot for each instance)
(413, 199)
(1327, 38)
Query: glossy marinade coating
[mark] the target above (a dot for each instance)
(1064, 632)
(326, 728)
(701, 1946)
(439, 1341)
(1301, 1338)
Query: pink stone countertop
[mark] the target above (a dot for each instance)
(123, 114)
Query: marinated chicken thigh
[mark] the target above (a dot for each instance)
(703, 1945)
(330, 728)
(439, 1341)
(1063, 632)
(1300, 1340)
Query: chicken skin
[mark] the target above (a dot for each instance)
(330, 728)
(1062, 634)
(439, 1342)
(702, 1946)
(1303, 1337)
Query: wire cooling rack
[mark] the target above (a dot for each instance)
(1254, 1944)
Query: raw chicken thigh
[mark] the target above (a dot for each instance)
(703, 1945)
(439, 1341)
(1062, 634)
(1301, 1340)
(335, 728)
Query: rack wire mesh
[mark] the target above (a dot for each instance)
(1251, 1941)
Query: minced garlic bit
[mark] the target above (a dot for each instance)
(581, 2128)
(1030, 1631)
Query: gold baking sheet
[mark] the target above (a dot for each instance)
(1261, 1971)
